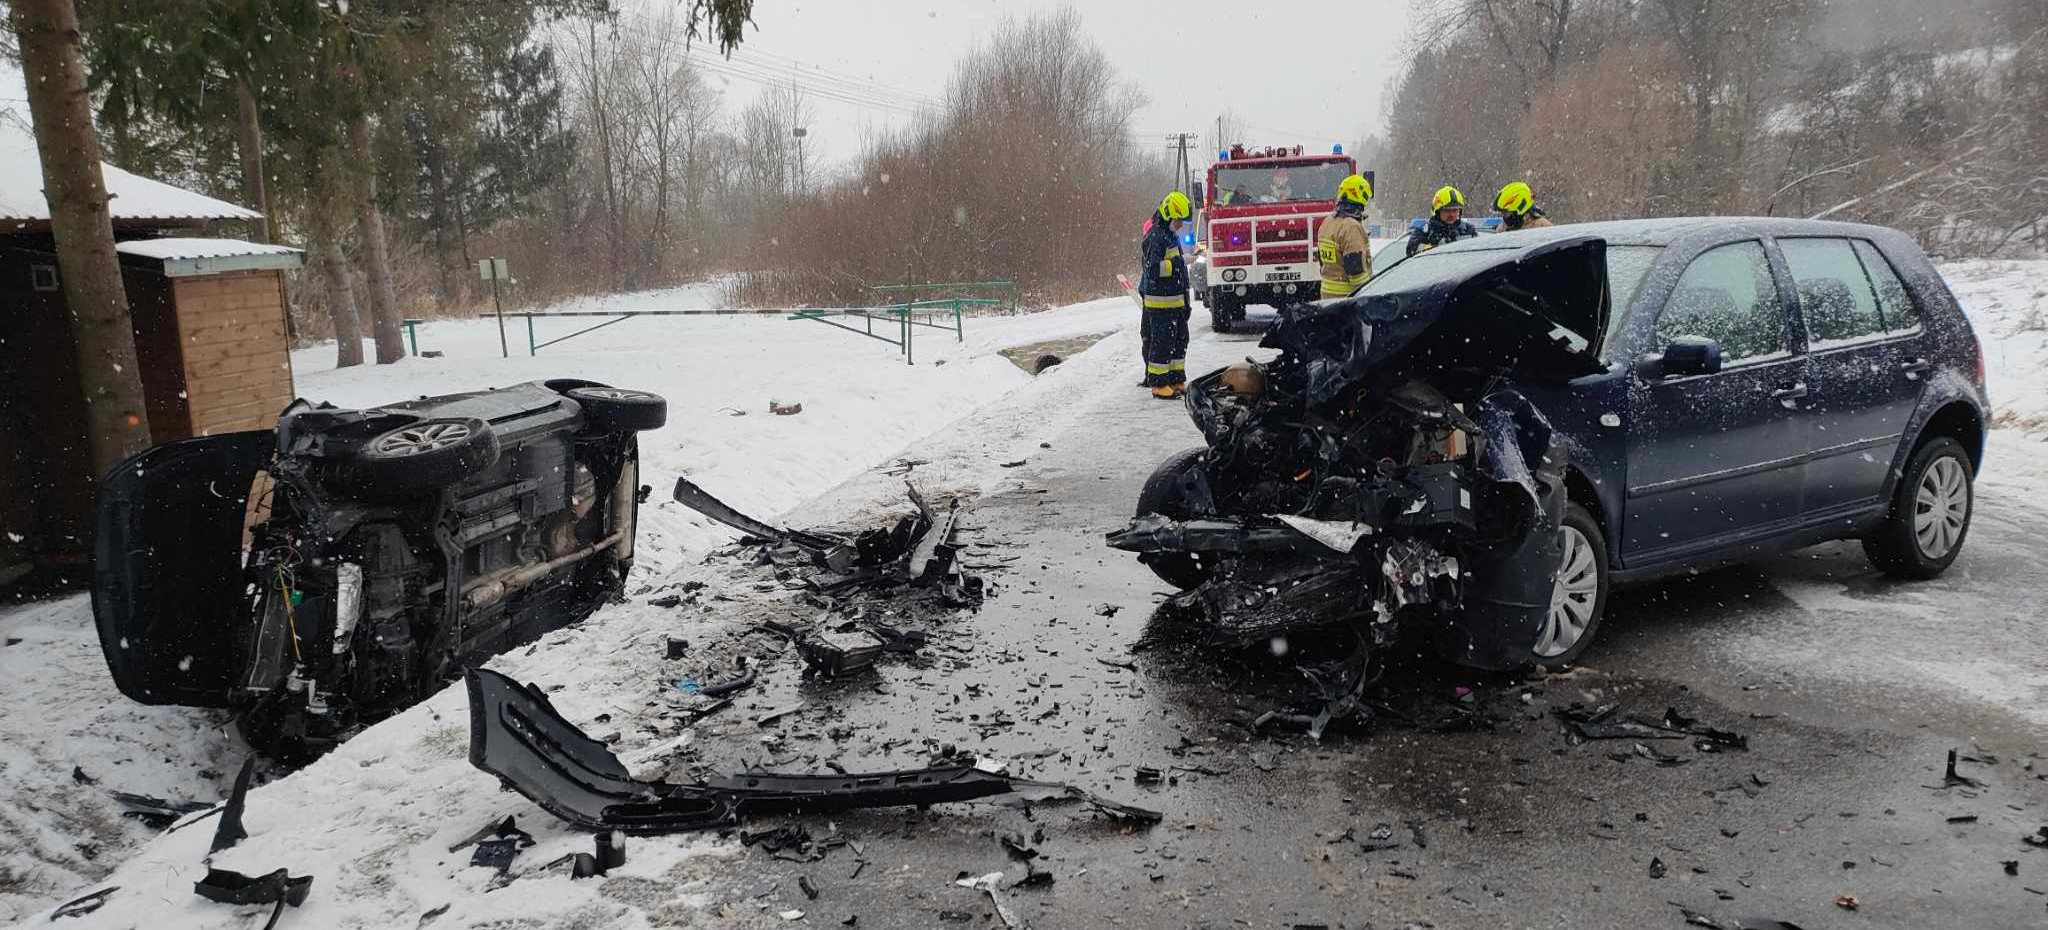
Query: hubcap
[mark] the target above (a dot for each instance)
(425, 437)
(1572, 596)
(612, 393)
(1941, 508)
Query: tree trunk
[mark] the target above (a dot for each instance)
(116, 414)
(437, 182)
(325, 244)
(249, 138)
(384, 318)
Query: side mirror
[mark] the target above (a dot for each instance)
(1686, 355)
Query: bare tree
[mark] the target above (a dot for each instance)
(385, 319)
(102, 332)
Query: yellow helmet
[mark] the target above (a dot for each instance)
(1515, 199)
(1446, 197)
(1174, 207)
(1355, 189)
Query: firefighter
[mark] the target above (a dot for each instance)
(1517, 207)
(1163, 289)
(1446, 222)
(1341, 246)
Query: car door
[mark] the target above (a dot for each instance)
(1713, 458)
(169, 596)
(1859, 398)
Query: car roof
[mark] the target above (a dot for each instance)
(1670, 230)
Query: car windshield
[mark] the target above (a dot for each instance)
(1236, 186)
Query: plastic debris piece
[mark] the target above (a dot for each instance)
(84, 904)
(1848, 902)
(791, 915)
(1657, 869)
(230, 830)
(809, 888)
(279, 887)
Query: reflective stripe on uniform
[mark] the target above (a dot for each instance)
(1179, 364)
(1166, 267)
(1152, 369)
(1174, 302)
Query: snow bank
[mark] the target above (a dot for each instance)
(2007, 303)
(373, 820)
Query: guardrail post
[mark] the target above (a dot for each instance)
(959, 331)
(412, 335)
(531, 349)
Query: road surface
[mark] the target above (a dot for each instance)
(1850, 689)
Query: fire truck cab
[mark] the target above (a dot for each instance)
(1260, 213)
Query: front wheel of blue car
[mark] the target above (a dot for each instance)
(1161, 495)
(1578, 596)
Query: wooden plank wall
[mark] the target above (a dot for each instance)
(238, 367)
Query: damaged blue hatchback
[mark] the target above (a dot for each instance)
(1486, 438)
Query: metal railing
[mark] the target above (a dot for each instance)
(912, 290)
(904, 318)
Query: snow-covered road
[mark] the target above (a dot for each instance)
(372, 821)
(861, 404)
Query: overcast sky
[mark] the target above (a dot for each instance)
(1295, 74)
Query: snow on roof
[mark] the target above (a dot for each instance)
(191, 256)
(134, 198)
(199, 248)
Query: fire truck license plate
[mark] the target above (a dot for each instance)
(1284, 276)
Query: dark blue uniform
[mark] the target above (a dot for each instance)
(1437, 232)
(1163, 288)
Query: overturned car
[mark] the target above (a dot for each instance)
(336, 569)
(1383, 476)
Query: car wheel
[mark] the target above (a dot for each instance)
(1578, 596)
(619, 410)
(426, 455)
(1161, 495)
(1930, 513)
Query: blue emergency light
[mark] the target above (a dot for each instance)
(1337, 149)
(1489, 223)
(1187, 238)
(1222, 154)
(1417, 223)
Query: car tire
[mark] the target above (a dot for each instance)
(1161, 495)
(1579, 594)
(425, 455)
(619, 410)
(1918, 544)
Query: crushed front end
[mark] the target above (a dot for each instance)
(1382, 477)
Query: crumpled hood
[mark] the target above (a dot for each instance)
(1460, 313)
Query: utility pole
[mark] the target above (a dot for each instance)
(1179, 141)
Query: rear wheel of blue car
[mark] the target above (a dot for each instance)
(1578, 596)
(1923, 531)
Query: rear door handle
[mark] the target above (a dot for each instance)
(1913, 367)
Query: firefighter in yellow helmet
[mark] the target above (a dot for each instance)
(1341, 246)
(1446, 222)
(1163, 290)
(1517, 207)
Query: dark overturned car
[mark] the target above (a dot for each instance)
(1475, 447)
(338, 568)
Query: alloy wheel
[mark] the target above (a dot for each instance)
(427, 437)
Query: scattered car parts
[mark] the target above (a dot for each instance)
(518, 736)
(278, 887)
(919, 549)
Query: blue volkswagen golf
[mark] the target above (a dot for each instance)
(1492, 433)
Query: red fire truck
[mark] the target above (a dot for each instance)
(1260, 211)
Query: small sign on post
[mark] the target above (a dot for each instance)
(494, 270)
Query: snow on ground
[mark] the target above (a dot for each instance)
(391, 801)
(2007, 302)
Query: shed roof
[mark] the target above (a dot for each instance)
(134, 199)
(185, 256)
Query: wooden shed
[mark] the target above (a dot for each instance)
(210, 339)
